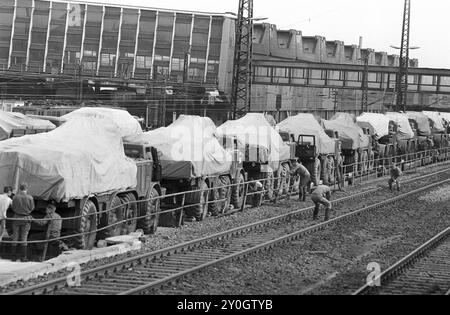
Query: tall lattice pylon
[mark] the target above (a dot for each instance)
(243, 54)
(402, 78)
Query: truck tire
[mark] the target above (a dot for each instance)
(200, 208)
(285, 182)
(237, 192)
(364, 162)
(317, 170)
(269, 185)
(214, 197)
(130, 214)
(87, 223)
(149, 211)
(112, 218)
(224, 194)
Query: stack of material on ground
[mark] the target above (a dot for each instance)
(307, 125)
(82, 157)
(189, 148)
(257, 139)
(128, 126)
(17, 121)
(377, 123)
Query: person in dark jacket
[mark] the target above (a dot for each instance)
(53, 222)
(305, 178)
(322, 196)
(396, 173)
(22, 207)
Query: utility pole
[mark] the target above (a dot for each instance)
(402, 78)
(243, 54)
(365, 86)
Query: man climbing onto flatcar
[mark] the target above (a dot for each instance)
(305, 178)
(322, 196)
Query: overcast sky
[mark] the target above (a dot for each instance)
(378, 21)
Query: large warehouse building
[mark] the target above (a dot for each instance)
(158, 62)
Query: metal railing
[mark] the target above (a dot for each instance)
(254, 193)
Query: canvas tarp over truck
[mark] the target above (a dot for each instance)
(423, 125)
(379, 123)
(254, 131)
(189, 148)
(435, 117)
(128, 126)
(349, 136)
(404, 131)
(350, 121)
(306, 124)
(12, 121)
(82, 157)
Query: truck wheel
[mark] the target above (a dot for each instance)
(131, 213)
(214, 197)
(269, 185)
(237, 193)
(87, 224)
(364, 162)
(317, 170)
(149, 211)
(200, 209)
(112, 219)
(224, 194)
(284, 187)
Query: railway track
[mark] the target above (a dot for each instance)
(425, 271)
(149, 271)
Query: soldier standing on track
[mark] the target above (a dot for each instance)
(322, 195)
(396, 173)
(305, 177)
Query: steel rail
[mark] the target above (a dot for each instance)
(130, 263)
(399, 268)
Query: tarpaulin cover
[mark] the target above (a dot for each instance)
(82, 157)
(445, 116)
(404, 131)
(379, 123)
(350, 121)
(423, 125)
(189, 148)
(254, 130)
(128, 126)
(306, 124)
(438, 126)
(11, 121)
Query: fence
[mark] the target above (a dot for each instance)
(254, 192)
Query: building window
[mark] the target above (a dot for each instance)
(164, 71)
(90, 53)
(177, 64)
(143, 62)
(89, 65)
(108, 60)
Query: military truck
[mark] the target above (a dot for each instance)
(195, 163)
(319, 153)
(13, 125)
(356, 145)
(265, 155)
(82, 167)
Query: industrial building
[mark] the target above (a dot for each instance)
(160, 63)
